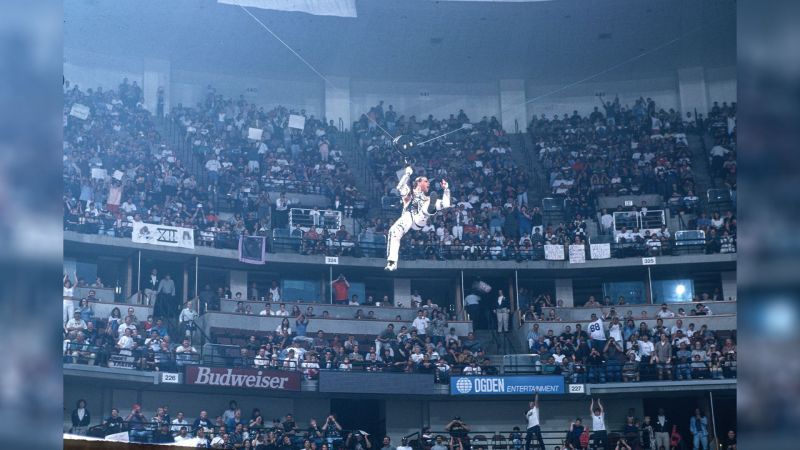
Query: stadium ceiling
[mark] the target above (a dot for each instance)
(415, 40)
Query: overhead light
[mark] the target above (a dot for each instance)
(680, 289)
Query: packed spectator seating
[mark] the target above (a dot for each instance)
(622, 151)
(611, 347)
(118, 170)
(242, 168)
(425, 345)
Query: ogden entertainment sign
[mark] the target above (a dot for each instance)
(243, 378)
(516, 385)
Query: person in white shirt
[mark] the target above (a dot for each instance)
(472, 369)
(678, 326)
(275, 290)
(421, 323)
(599, 433)
(606, 221)
(125, 341)
(597, 333)
(416, 299)
(282, 312)
(261, 360)
(187, 317)
(534, 430)
(664, 312)
(75, 324)
(645, 348)
(127, 325)
(267, 311)
(179, 422)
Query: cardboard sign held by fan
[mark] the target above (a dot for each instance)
(297, 122)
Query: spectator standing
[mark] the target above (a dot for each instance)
(661, 429)
(340, 288)
(534, 429)
(165, 298)
(151, 287)
(698, 426)
(599, 433)
(187, 318)
(421, 323)
(80, 418)
(472, 302)
(597, 333)
(502, 308)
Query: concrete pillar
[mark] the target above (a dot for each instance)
(728, 285)
(402, 292)
(238, 280)
(337, 101)
(692, 90)
(156, 74)
(564, 291)
(513, 110)
(129, 278)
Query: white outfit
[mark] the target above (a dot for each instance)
(598, 422)
(415, 216)
(533, 417)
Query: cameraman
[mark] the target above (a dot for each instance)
(458, 433)
(332, 430)
(137, 425)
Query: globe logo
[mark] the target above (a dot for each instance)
(464, 385)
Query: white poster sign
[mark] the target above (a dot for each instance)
(297, 122)
(600, 251)
(99, 173)
(118, 174)
(554, 252)
(255, 134)
(79, 111)
(166, 235)
(577, 253)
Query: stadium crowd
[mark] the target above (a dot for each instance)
(119, 170)
(613, 348)
(232, 429)
(425, 345)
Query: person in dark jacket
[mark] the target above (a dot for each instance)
(80, 418)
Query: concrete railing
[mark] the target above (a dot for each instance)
(335, 311)
(329, 326)
(581, 313)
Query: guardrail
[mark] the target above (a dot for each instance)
(503, 439)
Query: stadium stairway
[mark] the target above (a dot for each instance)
(495, 345)
(357, 160)
(701, 167)
(525, 156)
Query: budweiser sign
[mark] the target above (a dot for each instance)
(243, 378)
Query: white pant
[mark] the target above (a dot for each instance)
(68, 310)
(396, 233)
(502, 320)
(458, 232)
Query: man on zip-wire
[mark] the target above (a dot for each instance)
(418, 208)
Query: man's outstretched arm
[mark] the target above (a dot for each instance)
(402, 185)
